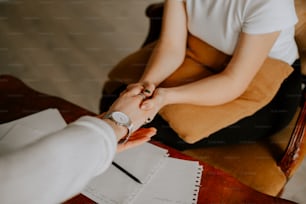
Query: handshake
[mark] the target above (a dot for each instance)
(135, 107)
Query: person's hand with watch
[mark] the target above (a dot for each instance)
(126, 117)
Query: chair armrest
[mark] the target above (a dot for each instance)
(296, 148)
(155, 13)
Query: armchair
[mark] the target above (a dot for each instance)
(265, 165)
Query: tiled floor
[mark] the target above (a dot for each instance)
(66, 48)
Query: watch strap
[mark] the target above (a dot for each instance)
(128, 125)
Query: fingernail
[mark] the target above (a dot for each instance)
(147, 91)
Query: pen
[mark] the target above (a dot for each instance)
(126, 172)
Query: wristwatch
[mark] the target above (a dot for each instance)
(122, 119)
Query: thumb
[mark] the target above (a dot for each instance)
(147, 104)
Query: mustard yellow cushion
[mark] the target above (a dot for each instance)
(193, 123)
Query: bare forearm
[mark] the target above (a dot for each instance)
(250, 53)
(169, 52)
(164, 60)
(214, 90)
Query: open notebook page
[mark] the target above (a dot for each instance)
(23, 131)
(141, 161)
(113, 186)
(45, 121)
(177, 182)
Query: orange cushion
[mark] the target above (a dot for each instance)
(193, 123)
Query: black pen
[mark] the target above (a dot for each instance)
(126, 172)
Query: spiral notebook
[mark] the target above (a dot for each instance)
(176, 182)
(164, 179)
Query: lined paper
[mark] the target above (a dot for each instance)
(113, 186)
(142, 161)
(47, 121)
(177, 182)
(165, 180)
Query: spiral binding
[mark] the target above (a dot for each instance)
(197, 185)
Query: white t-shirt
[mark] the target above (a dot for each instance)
(219, 22)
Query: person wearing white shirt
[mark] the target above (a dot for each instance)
(249, 31)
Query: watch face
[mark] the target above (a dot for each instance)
(120, 117)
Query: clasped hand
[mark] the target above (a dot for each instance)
(153, 99)
(140, 102)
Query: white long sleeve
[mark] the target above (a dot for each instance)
(58, 166)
